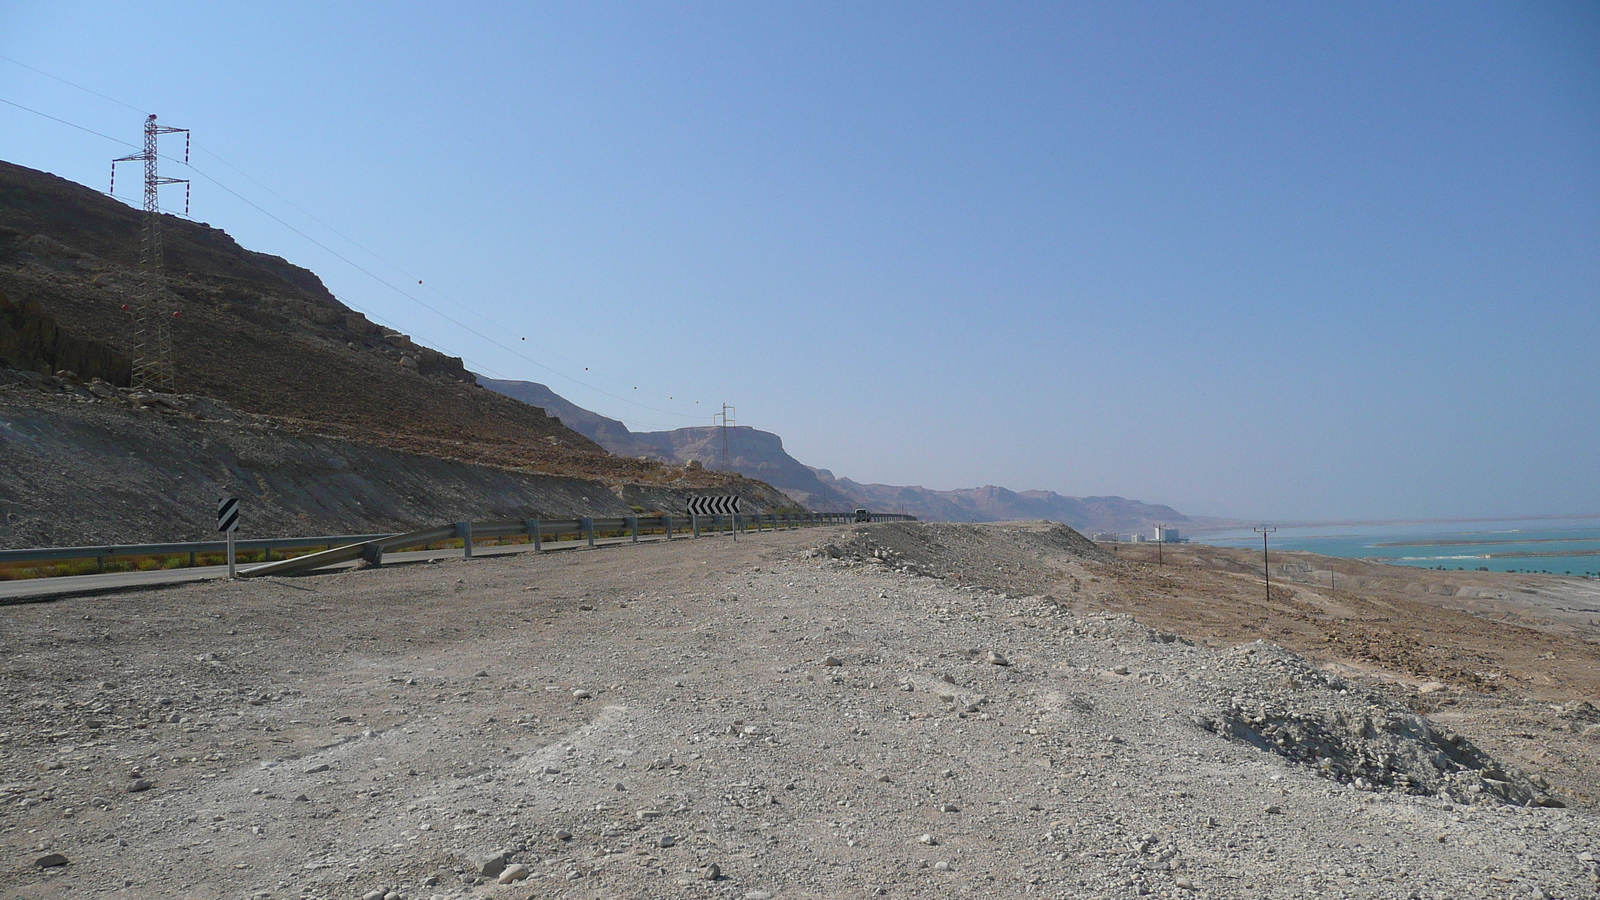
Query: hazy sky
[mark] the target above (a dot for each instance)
(1294, 260)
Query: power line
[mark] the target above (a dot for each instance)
(396, 267)
(464, 326)
(269, 215)
(374, 316)
(386, 283)
(68, 124)
(351, 262)
(71, 84)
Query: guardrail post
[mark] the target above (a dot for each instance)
(588, 529)
(373, 553)
(666, 524)
(531, 526)
(463, 531)
(633, 525)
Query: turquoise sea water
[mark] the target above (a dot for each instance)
(1560, 544)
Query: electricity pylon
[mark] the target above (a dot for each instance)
(727, 419)
(152, 330)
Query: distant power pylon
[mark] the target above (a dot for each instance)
(1266, 564)
(152, 330)
(726, 417)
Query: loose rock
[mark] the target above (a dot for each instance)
(513, 873)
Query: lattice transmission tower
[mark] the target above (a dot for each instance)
(152, 326)
(725, 418)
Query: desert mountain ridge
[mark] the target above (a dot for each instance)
(760, 454)
(267, 338)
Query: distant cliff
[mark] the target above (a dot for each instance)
(997, 504)
(749, 452)
(760, 454)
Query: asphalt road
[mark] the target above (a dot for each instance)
(39, 589)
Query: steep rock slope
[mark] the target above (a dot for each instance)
(752, 453)
(264, 335)
(609, 433)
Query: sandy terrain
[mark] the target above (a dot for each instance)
(900, 710)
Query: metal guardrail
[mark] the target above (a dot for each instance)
(586, 529)
(374, 545)
(192, 548)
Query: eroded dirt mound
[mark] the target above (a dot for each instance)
(1357, 737)
(1015, 557)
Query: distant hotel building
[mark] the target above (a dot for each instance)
(1168, 536)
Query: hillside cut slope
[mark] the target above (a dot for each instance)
(94, 465)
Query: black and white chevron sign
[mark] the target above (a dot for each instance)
(228, 514)
(713, 506)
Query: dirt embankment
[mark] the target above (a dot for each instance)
(1514, 659)
(843, 713)
(122, 467)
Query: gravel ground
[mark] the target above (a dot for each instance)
(791, 715)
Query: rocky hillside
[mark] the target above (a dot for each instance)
(260, 334)
(608, 433)
(95, 464)
(760, 454)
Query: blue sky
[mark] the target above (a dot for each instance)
(1288, 260)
